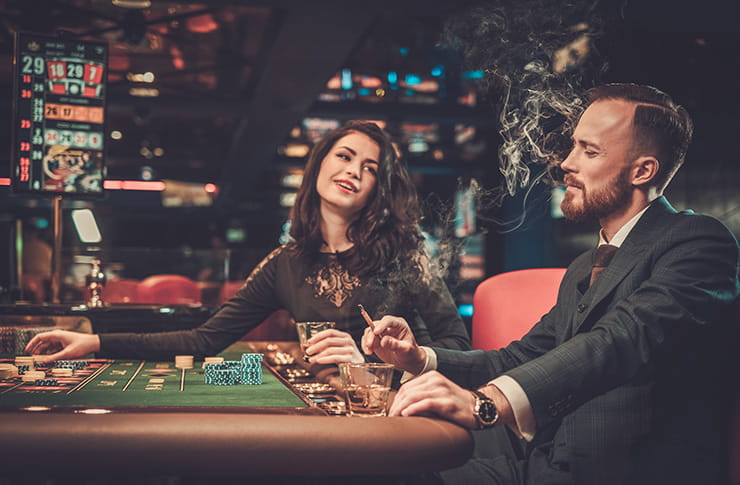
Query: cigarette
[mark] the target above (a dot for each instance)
(366, 317)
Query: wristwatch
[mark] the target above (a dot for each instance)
(485, 411)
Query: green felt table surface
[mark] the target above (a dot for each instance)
(135, 383)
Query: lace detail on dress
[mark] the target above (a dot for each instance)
(334, 283)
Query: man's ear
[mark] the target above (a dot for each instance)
(644, 170)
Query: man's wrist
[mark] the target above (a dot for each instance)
(502, 404)
(421, 361)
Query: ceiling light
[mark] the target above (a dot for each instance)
(144, 92)
(132, 3)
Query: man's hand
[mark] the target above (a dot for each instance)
(333, 347)
(432, 394)
(62, 344)
(393, 341)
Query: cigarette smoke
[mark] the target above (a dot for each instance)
(539, 58)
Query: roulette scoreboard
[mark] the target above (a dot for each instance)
(58, 115)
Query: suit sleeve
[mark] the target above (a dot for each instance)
(679, 305)
(253, 302)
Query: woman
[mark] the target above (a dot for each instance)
(355, 241)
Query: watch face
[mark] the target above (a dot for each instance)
(487, 412)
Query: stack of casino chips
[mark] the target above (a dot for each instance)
(62, 372)
(8, 371)
(45, 382)
(184, 361)
(251, 369)
(71, 364)
(33, 376)
(24, 363)
(248, 370)
(212, 360)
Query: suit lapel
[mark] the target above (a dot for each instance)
(629, 253)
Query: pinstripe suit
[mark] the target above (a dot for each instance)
(627, 378)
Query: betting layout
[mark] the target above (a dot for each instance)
(28, 385)
(59, 115)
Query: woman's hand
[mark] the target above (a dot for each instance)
(62, 345)
(333, 347)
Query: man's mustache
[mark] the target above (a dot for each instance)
(571, 180)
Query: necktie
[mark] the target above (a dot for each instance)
(602, 257)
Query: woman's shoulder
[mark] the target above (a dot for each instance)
(268, 262)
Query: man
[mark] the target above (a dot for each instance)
(626, 379)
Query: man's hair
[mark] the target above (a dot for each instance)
(660, 127)
(387, 227)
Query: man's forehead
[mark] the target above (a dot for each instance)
(607, 115)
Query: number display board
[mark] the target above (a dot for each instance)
(58, 116)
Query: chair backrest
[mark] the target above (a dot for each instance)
(168, 289)
(120, 290)
(507, 305)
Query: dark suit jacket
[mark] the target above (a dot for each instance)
(628, 379)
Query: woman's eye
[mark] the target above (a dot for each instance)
(370, 169)
(591, 153)
(343, 156)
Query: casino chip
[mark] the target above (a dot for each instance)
(62, 372)
(47, 382)
(33, 376)
(184, 361)
(248, 370)
(212, 360)
(8, 371)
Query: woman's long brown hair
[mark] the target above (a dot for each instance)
(386, 230)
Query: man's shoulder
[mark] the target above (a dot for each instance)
(696, 224)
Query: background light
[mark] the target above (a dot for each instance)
(86, 226)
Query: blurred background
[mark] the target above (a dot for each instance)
(213, 105)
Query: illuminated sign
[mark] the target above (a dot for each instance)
(58, 116)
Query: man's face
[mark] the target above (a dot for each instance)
(598, 168)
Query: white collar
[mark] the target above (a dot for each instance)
(623, 231)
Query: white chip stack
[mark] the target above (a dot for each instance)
(8, 371)
(212, 360)
(184, 361)
(62, 372)
(33, 375)
(25, 360)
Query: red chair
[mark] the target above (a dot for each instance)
(120, 290)
(507, 305)
(168, 289)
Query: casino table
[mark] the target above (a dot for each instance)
(162, 421)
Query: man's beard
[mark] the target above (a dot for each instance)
(605, 201)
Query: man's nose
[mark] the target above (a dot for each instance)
(567, 165)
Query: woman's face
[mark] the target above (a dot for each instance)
(348, 174)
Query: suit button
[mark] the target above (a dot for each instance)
(581, 308)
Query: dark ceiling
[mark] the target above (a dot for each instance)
(233, 77)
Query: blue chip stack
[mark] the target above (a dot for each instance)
(251, 369)
(71, 364)
(47, 382)
(231, 372)
(22, 369)
(225, 377)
